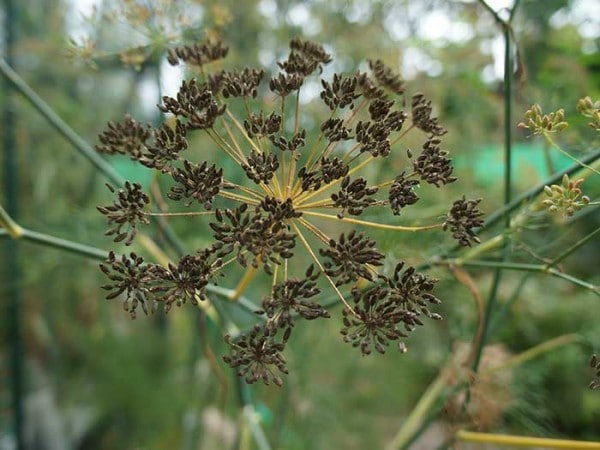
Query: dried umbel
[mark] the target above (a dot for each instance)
(290, 187)
(462, 220)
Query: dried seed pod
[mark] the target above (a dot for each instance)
(463, 217)
(348, 259)
(197, 182)
(354, 197)
(402, 193)
(130, 276)
(197, 54)
(432, 164)
(255, 355)
(127, 212)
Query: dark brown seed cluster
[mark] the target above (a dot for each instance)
(304, 58)
(197, 54)
(288, 183)
(130, 276)
(329, 170)
(334, 130)
(259, 125)
(126, 138)
(351, 258)
(386, 77)
(257, 356)
(126, 212)
(388, 311)
(375, 320)
(369, 88)
(341, 92)
(149, 284)
(354, 197)
(155, 148)
(241, 83)
(291, 145)
(261, 166)
(421, 116)
(187, 280)
(461, 220)
(197, 182)
(432, 164)
(169, 143)
(196, 103)
(252, 234)
(412, 292)
(290, 298)
(284, 84)
(402, 193)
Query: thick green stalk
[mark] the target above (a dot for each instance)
(529, 195)
(88, 251)
(413, 424)
(76, 141)
(508, 75)
(13, 272)
(58, 124)
(517, 202)
(542, 268)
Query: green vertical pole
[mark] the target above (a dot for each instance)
(12, 264)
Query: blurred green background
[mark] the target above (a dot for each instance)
(93, 379)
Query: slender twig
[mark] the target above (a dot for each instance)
(322, 269)
(534, 352)
(372, 224)
(101, 255)
(572, 248)
(524, 441)
(6, 222)
(76, 141)
(542, 268)
(554, 145)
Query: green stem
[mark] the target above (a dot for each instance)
(12, 228)
(553, 144)
(413, 423)
(252, 420)
(76, 141)
(574, 247)
(526, 197)
(542, 268)
(13, 320)
(534, 352)
(491, 10)
(58, 124)
(491, 303)
(101, 255)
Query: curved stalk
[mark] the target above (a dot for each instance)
(524, 441)
(383, 226)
